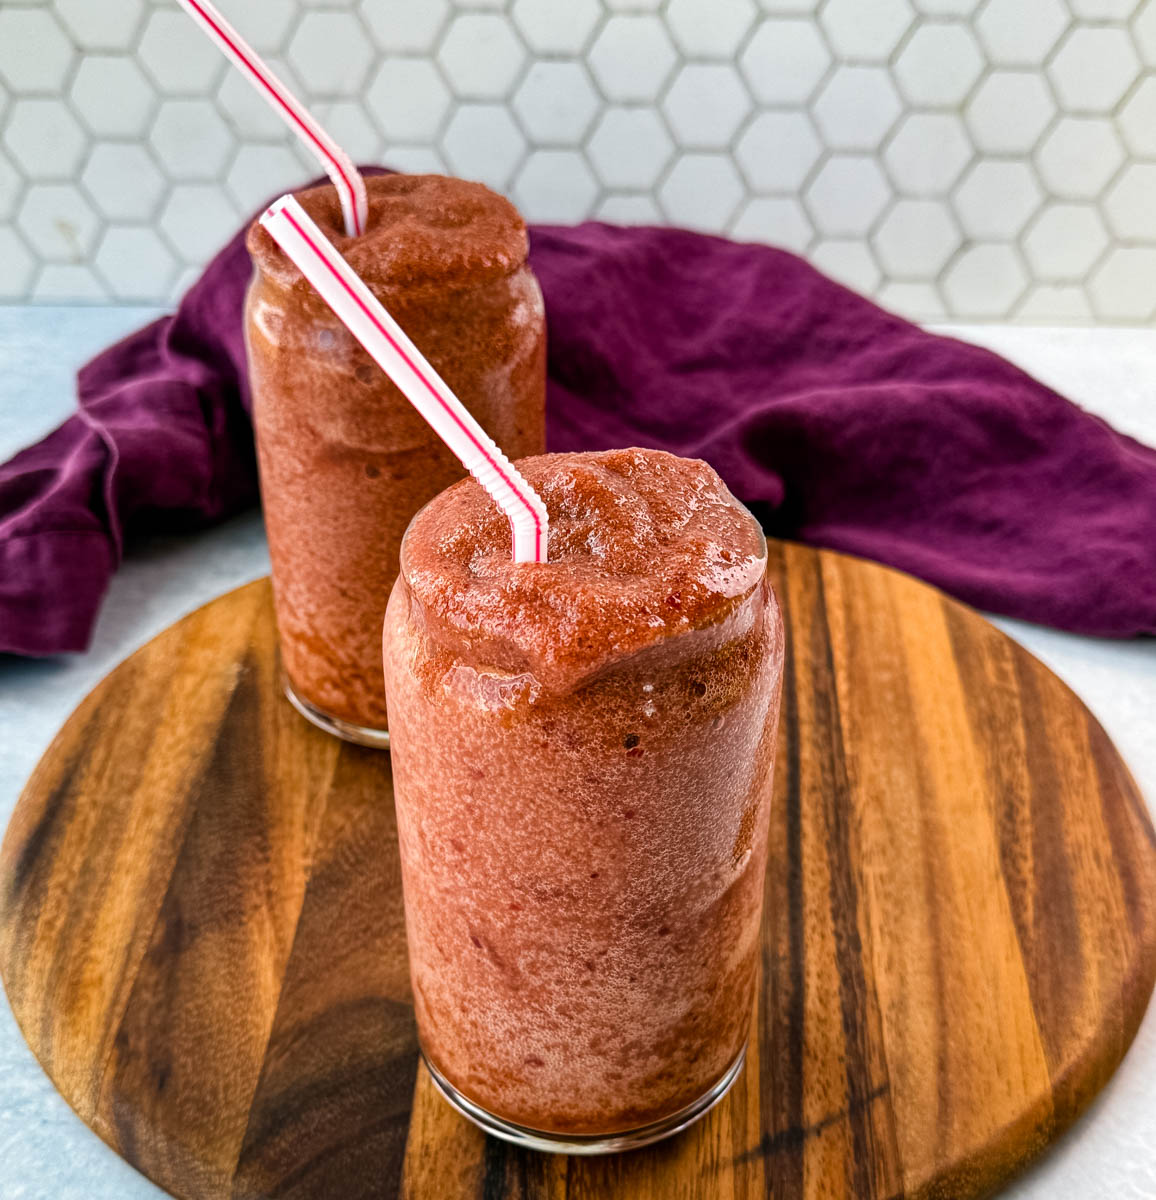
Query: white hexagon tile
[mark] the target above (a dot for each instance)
(979, 159)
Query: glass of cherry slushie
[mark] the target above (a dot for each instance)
(345, 460)
(582, 753)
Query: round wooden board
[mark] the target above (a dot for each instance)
(202, 931)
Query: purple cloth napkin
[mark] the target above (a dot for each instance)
(840, 424)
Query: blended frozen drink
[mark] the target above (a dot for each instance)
(582, 753)
(345, 460)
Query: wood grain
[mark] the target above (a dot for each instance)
(202, 934)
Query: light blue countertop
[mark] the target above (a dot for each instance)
(45, 1151)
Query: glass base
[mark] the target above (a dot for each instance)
(561, 1143)
(363, 735)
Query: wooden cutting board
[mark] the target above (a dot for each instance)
(202, 938)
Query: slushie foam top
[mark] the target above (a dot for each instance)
(643, 546)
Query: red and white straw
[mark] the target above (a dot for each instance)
(338, 165)
(366, 318)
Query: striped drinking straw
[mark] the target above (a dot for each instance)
(366, 318)
(338, 165)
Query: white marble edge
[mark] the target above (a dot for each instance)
(48, 1154)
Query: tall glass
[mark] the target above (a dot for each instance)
(582, 757)
(344, 459)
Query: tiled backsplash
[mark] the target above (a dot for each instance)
(975, 158)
